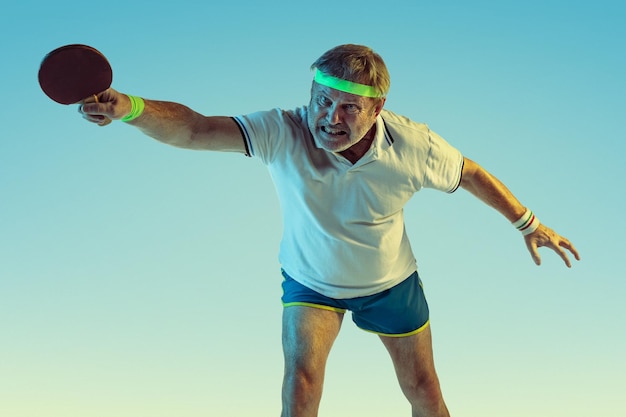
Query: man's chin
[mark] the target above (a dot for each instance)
(331, 146)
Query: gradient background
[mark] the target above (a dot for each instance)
(142, 280)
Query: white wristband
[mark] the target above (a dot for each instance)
(528, 223)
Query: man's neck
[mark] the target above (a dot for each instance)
(356, 151)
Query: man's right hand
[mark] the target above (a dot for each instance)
(105, 106)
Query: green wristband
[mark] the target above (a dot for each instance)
(136, 108)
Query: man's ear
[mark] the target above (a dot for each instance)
(379, 106)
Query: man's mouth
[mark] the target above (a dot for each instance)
(333, 132)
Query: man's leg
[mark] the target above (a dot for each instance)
(412, 358)
(308, 335)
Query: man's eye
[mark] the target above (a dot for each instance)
(323, 101)
(351, 108)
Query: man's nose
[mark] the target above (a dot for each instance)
(334, 115)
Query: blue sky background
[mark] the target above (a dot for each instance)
(139, 280)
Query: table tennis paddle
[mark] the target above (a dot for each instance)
(73, 73)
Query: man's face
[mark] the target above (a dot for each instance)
(338, 120)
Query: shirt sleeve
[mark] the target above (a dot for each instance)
(444, 165)
(264, 133)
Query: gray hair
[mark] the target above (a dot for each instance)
(356, 63)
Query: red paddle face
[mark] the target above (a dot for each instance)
(72, 73)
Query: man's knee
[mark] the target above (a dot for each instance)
(303, 373)
(302, 391)
(425, 397)
(303, 380)
(424, 390)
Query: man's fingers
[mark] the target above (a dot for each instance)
(93, 117)
(552, 241)
(91, 107)
(561, 244)
(567, 245)
(563, 256)
(534, 253)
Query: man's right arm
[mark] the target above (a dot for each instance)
(168, 122)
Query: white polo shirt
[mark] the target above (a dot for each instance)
(343, 224)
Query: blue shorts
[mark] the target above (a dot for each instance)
(399, 311)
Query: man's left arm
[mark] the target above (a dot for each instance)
(491, 191)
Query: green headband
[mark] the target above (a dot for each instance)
(346, 86)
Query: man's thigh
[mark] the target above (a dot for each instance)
(412, 357)
(308, 334)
